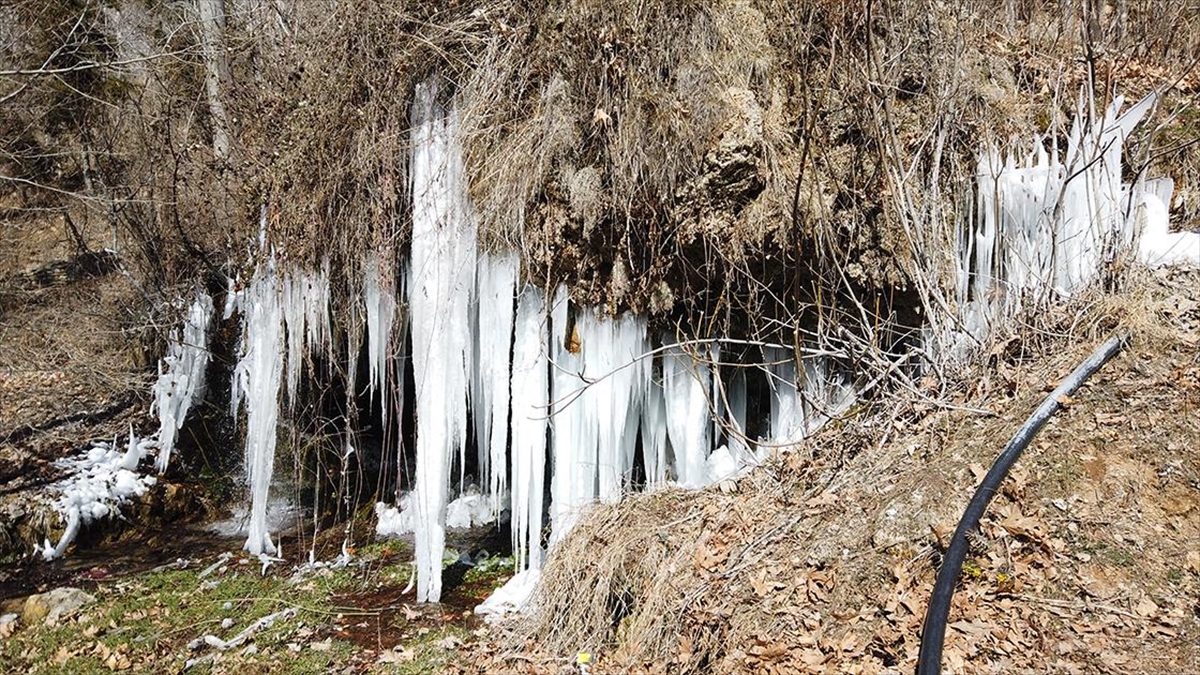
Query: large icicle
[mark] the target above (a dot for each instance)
(181, 376)
(496, 281)
(611, 349)
(304, 301)
(787, 415)
(600, 387)
(256, 381)
(687, 389)
(574, 476)
(530, 388)
(654, 433)
(442, 277)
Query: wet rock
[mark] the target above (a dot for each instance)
(54, 605)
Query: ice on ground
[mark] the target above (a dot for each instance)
(510, 598)
(99, 482)
(1158, 246)
(471, 509)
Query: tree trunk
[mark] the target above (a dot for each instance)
(216, 71)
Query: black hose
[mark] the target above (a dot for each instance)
(929, 662)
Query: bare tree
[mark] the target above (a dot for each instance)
(216, 71)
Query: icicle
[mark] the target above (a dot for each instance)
(442, 278)
(496, 282)
(573, 478)
(530, 387)
(736, 414)
(610, 351)
(654, 433)
(787, 416)
(181, 376)
(687, 387)
(257, 380)
(380, 300)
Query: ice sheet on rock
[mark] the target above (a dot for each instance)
(181, 376)
(530, 405)
(99, 482)
(511, 598)
(442, 277)
(495, 282)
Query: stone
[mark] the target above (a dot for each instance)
(51, 607)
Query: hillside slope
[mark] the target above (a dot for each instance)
(823, 561)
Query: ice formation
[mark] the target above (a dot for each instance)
(687, 391)
(104, 478)
(511, 597)
(380, 300)
(181, 376)
(394, 521)
(1045, 224)
(471, 509)
(496, 280)
(256, 380)
(304, 302)
(1157, 245)
(530, 405)
(98, 483)
(442, 276)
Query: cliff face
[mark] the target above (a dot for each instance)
(754, 170)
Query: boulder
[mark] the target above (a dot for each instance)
(54, 605)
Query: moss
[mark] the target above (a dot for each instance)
(144, 625)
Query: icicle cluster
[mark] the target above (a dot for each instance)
(99, 482)
(545, 388)
(181, 376)
(279, 313)
(1046, 224)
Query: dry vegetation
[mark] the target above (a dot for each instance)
(728, 160)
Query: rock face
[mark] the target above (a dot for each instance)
(52, 606)
(732, 175)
